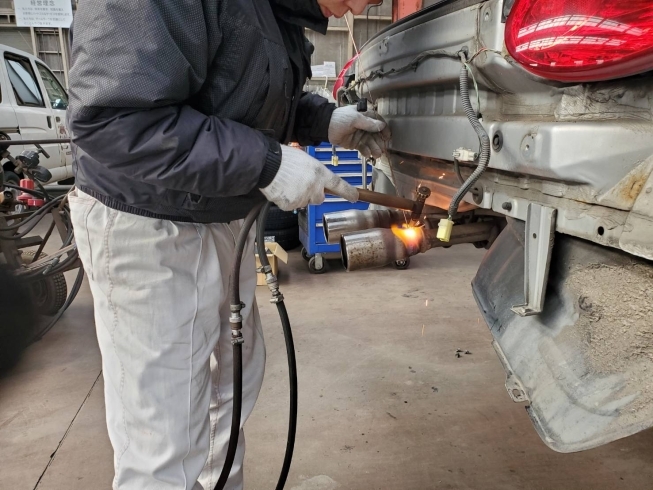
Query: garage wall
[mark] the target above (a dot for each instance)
(337, 45)
(44, 43)
(18, 37)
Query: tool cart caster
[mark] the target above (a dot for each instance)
(305, 254)
(401, 265)
(317, 264)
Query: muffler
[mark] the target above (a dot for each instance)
(339, 223)
(379, 247)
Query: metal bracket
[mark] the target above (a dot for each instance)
(514, 385)
(538, 245)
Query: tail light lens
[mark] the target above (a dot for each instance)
(581, 40)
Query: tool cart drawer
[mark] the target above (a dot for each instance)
(324, 152)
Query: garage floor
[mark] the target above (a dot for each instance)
(385, 404)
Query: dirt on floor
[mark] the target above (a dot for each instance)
(616, 324)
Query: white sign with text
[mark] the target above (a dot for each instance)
(43, 13)
(328, 69)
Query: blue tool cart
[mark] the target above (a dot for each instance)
(348, 164)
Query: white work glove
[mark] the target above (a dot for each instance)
(366, 132)
(301, 180)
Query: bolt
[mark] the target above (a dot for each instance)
(507, 206)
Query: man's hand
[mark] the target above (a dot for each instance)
(366, 132)
(301, 180)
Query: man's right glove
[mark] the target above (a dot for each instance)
(301, 180)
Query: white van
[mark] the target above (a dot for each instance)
(33, 106)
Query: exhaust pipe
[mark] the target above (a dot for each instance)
(337, 224)
(379, 247)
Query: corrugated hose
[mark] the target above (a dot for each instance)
(484, 158)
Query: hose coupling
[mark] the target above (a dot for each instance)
(277, 297)
(237, 337)
(264, 269)
(237, 308)
(51, 266)
(271, 281)
(236, 317)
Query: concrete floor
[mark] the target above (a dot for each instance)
(384, 402)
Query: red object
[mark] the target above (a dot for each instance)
(26, 184)
(403, 8)
(581, 40)
(340, 81)
(36, 202)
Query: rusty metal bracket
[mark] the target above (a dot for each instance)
(538, 245)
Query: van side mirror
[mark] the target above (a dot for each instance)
(60, 104)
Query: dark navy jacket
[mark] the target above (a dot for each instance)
(177, 107)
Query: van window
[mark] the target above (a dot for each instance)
(56, 93)
(23, 81)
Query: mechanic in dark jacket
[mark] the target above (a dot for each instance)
(179, 113)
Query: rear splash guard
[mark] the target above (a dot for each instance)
(584, 366)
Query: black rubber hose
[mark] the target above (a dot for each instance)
(46, 196)
(234, 279)
(292, 373)
(36, 215)
(234, 297)
(290, 352)
(61, 266)
(260, 234)
(483, 137)
(456, 168)
(24, 189)
(46, 237)
(235, 416)
(39, 213)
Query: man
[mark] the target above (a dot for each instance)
(179, 111)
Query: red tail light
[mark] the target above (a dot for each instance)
(581, 40)
(340, 81)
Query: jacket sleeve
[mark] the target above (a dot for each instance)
(135, 64)
(312, 119)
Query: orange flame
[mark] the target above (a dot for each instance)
(409, 235)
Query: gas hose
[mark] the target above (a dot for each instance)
(235, 319)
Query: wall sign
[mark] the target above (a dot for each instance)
(43, 13)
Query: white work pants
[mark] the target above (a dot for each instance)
(162, 318)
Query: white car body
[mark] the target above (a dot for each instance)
(33, 107)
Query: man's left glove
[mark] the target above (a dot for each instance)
(366, 132)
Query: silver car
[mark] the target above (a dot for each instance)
(531, 125)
